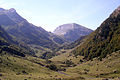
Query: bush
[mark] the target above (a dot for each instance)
(69, 63)
(52, 67)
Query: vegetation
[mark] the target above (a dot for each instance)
(48, 55)
(29, 68)
(9, 45)
(52, 67)
(96, 56)
(27, 34)
(103, 41)
(95, 69)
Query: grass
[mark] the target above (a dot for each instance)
(94, 69)
(39, 50)
(18, 68)
(33, 68)
(109, 67)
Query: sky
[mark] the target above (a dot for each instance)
(50, 14)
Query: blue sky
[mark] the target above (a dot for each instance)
(49, 14)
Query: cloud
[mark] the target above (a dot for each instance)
(7, 5)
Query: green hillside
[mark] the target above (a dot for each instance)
(9, 45)
(27, 68)
(102, 41)
(107, 69)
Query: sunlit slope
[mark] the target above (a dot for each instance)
(109, 68)
(104, 40)
(30, 68)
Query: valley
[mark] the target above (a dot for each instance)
(71, 52)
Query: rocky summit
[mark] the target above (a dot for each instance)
(72, 31)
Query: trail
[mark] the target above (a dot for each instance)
(63, 73)
(91, 78)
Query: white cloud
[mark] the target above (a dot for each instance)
(7, 5)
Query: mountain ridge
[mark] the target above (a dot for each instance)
(104, 40)
(71, 31)
(24, 31)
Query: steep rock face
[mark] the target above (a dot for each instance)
(13, 15)
(24, 31)
(104, 40)
(72, 32)
(116, 12)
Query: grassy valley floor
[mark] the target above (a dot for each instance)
(31, 68)
(107, 69)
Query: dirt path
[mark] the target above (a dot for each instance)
(63, 73)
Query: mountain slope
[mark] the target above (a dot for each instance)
(7, 44)
(104, 40)
(72, 32)
(4, 36)
(24, 31)
(107, 69)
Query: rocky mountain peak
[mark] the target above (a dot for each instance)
(71, 31)
(13, 15)
(12, 10)
(116, 12)
(118, 8)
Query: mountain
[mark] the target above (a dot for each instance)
(26, 32)
(74, 44)
(72, 31)
(9, 45)
(4, 37)
(17, 62)
(104, 40)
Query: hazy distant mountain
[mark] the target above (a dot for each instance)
(104, 40)
(24, 31)
(72, 31)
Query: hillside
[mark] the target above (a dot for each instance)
(104, 40)
(14, 67)
(92, 57)
(26, 32)
(107, 69)
(72, 31)
(17, 63)
(9, 45)
(4, 36)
